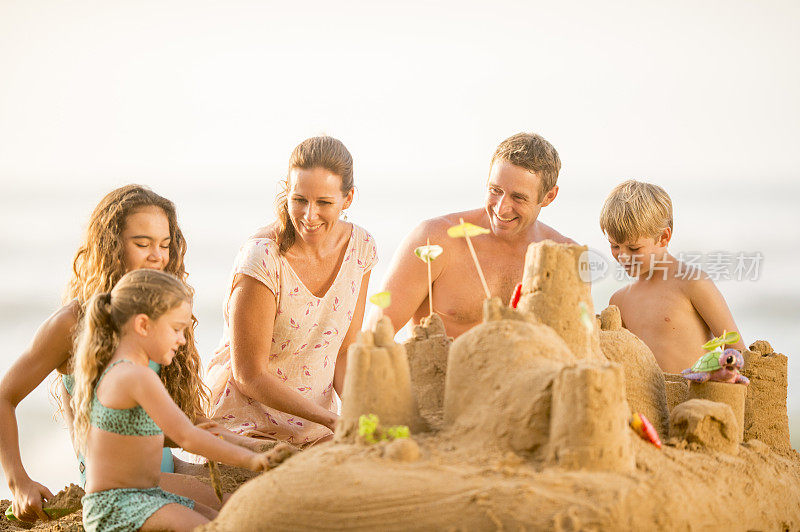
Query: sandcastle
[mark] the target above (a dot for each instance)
(522, 423)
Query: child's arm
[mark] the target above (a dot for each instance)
(148, 391)
(711, 306)
(50, 348)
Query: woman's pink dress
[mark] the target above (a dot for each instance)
(306, 338)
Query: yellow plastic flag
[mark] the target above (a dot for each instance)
(428, 253)
(381, 299)
(466, 229)
(727, 338)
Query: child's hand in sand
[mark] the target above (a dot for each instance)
(272, 458)
(29, 500)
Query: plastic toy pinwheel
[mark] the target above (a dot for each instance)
(466, 230)
(721, 341)
(428, 254)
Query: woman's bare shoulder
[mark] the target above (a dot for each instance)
(268, 231)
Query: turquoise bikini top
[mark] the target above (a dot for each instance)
(69, 380)
(128, 421)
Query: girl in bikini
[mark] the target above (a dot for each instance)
(131, 228)
(121, 407)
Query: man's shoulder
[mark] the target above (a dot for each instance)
(437, 227)
(545, 232)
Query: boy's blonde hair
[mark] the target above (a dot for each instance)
(535, 154)
(634, 209)
(148, 292)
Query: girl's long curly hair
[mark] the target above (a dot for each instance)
(98, 266)
(148, 292)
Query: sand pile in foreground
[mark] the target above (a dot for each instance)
(534, 433)
(522, 423)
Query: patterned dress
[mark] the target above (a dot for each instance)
(306, 338)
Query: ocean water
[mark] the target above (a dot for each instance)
(41, 228)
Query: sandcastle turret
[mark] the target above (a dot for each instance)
(427, 351)
(553, 292)
(377, 382)
(765, 415)
(588, 428)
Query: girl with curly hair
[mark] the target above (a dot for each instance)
(131, 228)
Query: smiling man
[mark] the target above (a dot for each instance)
(522, 180)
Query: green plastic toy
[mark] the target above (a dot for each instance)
(370, 430)
(52, 513)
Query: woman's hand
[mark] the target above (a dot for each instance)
(331, 422)
(27, 501)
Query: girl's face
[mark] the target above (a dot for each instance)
(315, 202)
(146, 239)
(167, 334)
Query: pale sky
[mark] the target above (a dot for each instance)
(204, 101)
(187, 90)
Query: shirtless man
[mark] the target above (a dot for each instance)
(522, 180)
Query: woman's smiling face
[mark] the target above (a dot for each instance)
(315, 202)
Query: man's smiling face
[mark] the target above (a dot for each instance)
(512, 199)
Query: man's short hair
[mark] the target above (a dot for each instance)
(534, 153)
(635, 209)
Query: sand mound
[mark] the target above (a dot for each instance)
(727, 393)
(499, 381)
(645, 388)
(336, 487)
(535, 438)
(705, 424)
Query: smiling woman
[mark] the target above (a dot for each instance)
(296, 302)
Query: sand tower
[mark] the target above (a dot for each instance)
(765, 416)
(377, 382)
(427, 351)
(553, 292)
(588, 427)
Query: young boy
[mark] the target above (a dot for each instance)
(673, 308)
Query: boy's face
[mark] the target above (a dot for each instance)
(640, 257)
